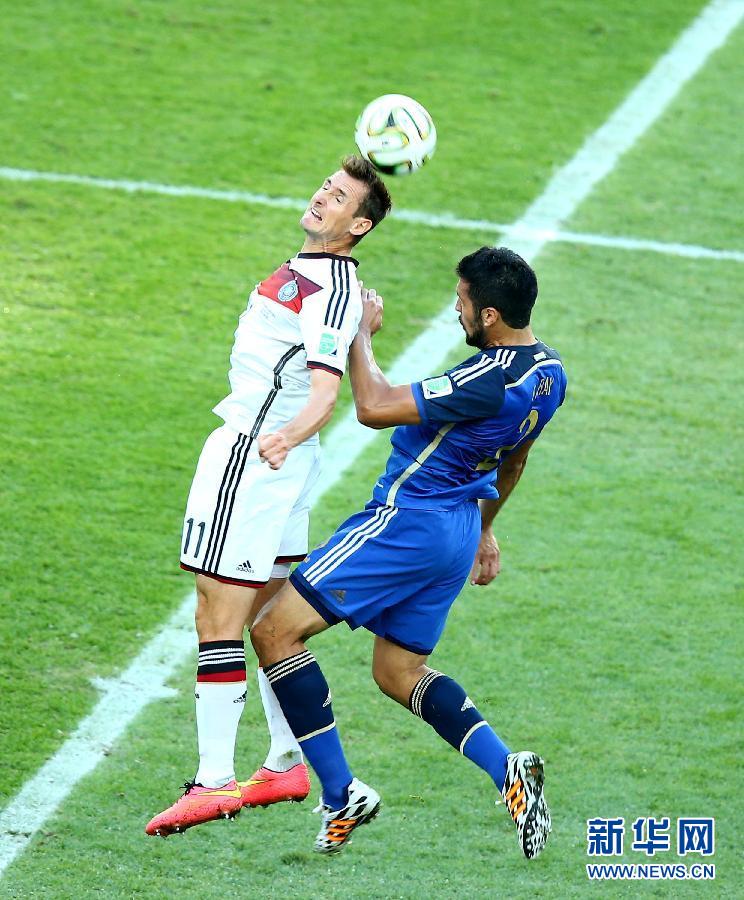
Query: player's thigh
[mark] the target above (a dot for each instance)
(283, 624)
(397, 670)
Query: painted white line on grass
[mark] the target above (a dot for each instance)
(144, 680)
(668, 248)
(412, 216)
(640, 109)
(121, 701)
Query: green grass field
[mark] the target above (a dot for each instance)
(611, 641)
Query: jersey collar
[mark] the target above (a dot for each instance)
(327, 256)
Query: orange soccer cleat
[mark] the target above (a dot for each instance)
(266, 786)
(198, 804)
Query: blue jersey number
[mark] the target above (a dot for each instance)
(527, 427)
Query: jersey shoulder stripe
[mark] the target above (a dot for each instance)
(520, 379)
(340, 292)
(346, 298)
(458, 374)
(501, 359)
(332, 298)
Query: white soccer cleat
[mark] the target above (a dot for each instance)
(524, 798)
(362, 806)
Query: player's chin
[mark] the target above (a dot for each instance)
(310, 224)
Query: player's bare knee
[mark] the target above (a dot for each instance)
(392, 681)
(263, 635)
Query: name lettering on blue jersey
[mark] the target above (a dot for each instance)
(543, 387)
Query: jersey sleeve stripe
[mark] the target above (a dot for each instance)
(334, 290)
(326, 368)
(489, 368)
(461, 373)
(347, 294)
(342, 294)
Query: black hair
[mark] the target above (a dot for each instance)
(500, 278)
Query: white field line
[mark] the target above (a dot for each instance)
(412, 216)
(145, 679)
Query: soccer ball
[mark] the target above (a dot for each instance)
(396, 134)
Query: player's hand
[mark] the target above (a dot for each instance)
(273, 449)
(487, 564)
(371, 309)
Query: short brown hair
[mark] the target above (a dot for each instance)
(377, 204)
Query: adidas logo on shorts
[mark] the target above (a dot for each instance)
(245, 566)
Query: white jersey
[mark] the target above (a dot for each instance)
(302, 317)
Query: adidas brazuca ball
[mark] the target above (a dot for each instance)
(396, 134)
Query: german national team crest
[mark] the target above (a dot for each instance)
(287, 292)
(288, 287)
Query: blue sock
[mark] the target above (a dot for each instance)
(441, 702)
(303, 695)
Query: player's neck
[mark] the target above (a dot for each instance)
(338, 248)
(511, 337)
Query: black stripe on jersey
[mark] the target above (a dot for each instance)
(320, 365)
(334, 292)
(240, 446)
(347, 294)
(339, 293)
(254, 432)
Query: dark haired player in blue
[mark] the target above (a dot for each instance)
(396, 567)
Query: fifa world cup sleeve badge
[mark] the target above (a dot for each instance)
(436, 387)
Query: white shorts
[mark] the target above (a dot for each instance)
(242, 516)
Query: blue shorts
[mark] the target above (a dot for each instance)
(394, 571)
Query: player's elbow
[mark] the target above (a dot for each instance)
(370, 416)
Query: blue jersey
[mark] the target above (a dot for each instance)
(472, 417)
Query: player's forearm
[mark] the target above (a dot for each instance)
(368, 383)
(310, 419)
(509, 475)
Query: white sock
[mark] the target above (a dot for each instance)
(218, 710)
(284, 751)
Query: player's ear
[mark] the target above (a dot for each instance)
(489, 316)
(360, 226)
